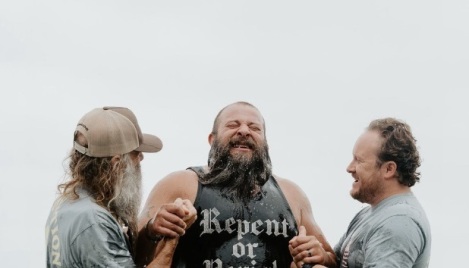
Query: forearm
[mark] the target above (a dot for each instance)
(146, 247)
(330, 261)
(164, 253)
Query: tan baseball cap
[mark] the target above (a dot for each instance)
(147, 143)
(108, 133)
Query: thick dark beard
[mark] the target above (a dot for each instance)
(126, 203)
(238, 175)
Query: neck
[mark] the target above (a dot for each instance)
(391, 191)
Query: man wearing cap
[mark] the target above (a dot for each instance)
(93, 222)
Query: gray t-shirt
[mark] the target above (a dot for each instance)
(80, 233)
(395, 233)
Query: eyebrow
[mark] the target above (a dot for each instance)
(239, 122)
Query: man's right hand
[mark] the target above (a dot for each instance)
(172, 219)
(190, 211)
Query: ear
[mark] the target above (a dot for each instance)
(211, 137)
(390, 169)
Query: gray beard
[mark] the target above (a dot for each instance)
(126, 203)
(237, 175)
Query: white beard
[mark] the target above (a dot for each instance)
(129, 197)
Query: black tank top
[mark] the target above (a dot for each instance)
(229, 233)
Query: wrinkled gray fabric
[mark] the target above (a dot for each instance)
(80, 233)
(395, 233)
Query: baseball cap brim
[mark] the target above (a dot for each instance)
(147, 143)
(150, 144)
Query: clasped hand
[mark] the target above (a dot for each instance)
(306, 249)
(172, 219)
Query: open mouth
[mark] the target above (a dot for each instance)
(246, 144)
(241, 146)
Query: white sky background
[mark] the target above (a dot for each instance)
(319, 71)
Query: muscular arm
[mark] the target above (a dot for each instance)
(161, 217)
(299, 203)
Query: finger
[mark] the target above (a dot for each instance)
(181, 204)
(300, 238)
(176, 208)
(301, 233)
(168, 228)
(315, 255)
(188, 207)
(188, 204)
(169, 224)
(306, 248)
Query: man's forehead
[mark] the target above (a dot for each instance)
(369, 141)
(239, 112)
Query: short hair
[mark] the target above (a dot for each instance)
(216, 122)
(399, 146)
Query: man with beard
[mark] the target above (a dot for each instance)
(246, 216)
(393, 231)
(93, 222)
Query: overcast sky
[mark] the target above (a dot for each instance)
(319, 71)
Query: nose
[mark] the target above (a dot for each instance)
(351, 167)
(140, 156)
(244, 130)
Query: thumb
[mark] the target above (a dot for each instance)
(178, 201)
(302, 231)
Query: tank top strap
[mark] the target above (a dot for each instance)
(199, 170)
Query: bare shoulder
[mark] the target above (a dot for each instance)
(296, 198)
(178, 184)
(181, 178)
(290, 188)
(301, 207)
